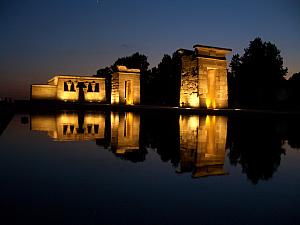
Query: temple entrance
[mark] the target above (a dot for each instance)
(81, 87)
(128, 92)
(211, 89)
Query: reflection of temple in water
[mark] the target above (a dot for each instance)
(71, 126)
(125, 132)
(202, 145)
(202, 139)
(121, 130)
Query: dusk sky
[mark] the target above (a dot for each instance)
(40, 38)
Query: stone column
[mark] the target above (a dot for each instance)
(69, 83)
(93, 86)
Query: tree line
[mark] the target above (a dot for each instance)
(257, 79)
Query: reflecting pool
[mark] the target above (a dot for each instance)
(103, 167)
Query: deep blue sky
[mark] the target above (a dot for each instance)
(40, 38)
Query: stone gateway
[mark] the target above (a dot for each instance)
(204, 77)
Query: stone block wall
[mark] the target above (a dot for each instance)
(118, 82)
(189, 90)
(55, 89)
(115, 98)
(74, 95)
(204, 77)
(221, 87)
(43, 92)
(134, 80)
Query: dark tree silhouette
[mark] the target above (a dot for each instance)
(235, 65)
(165, 80)
(256, 146)
(233, 94)
(135, 61)
(258, 75)
(164, 137)
(295, 77)
(294, 91)
(106, 73)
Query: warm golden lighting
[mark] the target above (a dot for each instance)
(125, 86)
(125, 131)
(202, 144)
(214, 104)
(71, 126)
(211, 86)
(204, 78)
(194, 101)
(71, 88)
(208, 103)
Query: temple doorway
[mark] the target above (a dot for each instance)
(128, 92)
(211, 89)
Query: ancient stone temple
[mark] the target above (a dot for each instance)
(204, 77)
(70, 88)
(125, 87)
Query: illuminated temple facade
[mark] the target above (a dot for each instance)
(204, 77)
(71, 88)
(125, 88)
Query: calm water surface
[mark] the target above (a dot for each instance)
(80, 167)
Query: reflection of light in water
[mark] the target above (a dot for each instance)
(191, 123)
(125, 129)
(70, 126)
(202, 144)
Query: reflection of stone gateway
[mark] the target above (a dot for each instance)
(125, 131)
(202, 144)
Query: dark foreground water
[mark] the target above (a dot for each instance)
(78, 167)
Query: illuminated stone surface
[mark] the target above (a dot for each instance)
(204, 77)
(125, 87)
(70, 88)
(202, 144)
